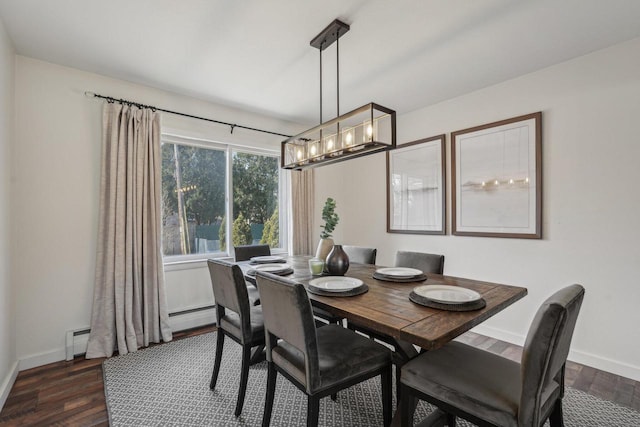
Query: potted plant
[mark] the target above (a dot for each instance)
(331, 219)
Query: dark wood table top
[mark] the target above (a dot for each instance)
(386, 307)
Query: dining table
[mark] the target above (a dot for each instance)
(386, 310)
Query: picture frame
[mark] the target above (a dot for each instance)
(496, 175)
(416, 187)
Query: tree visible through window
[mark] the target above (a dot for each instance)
(194, 211)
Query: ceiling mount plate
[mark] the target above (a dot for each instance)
(333, 32)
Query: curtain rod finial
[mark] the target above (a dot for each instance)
(89, 94)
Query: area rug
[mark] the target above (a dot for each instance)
(168, 385)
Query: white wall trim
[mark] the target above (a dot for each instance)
(599, 362)
(7, 384)
(41, 359)
(192, 320)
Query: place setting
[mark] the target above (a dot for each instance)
(399, 274)
(273, 268)
(267, 259)
(445, 297)
(337, 286)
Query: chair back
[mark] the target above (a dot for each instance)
(428, 263)
(246, 252)
(360, 254)
(288, 315)
(546, 350)
(230, 292)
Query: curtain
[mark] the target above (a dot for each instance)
(129, 301)
(302, 193)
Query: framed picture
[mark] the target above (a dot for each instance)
(497, 179)
(416, 187)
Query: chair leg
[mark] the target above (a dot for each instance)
(313, 411)
(387, 403)
(216, 363)
(451, 420)
(556, 418)
(244, 376)
(271, 391)
(406, 408)
(398, 385)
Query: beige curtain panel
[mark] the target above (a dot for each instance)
(302, 189)
(129, 301)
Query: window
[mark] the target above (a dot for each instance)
(197, 177)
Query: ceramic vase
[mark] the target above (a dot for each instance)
(337, 261)
(324, 247)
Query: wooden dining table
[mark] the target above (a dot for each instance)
(386, 309)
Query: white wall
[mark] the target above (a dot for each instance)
(7, 324)
(55, 196)
(591, 201)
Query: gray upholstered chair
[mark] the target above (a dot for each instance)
(321, 361)
(361, 254)
(246, 252)
(428, 263)
(489, 390)
(236, 319)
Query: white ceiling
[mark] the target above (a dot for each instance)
(255, 54)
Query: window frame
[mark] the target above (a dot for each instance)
(229, 149)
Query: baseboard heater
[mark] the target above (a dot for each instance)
(76, 340)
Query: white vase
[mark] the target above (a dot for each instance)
(324, 247)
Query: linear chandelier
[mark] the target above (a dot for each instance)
(365, 130)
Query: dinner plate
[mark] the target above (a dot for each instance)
(266, 259)
(447, 294)
(399, 272)
(272, 268)
(336, 283)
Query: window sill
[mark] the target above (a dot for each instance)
(196, 263)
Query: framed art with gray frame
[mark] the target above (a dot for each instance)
(497, 179)
(416, 187)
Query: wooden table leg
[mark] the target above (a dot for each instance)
(404, 352)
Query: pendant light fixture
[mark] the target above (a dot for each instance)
(365, 130)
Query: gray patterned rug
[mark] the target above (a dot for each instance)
(168, 385)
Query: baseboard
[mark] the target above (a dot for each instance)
(599, 362)
(41, 359)
(192, 319)
(7, 384)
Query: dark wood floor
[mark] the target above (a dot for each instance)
(72, 393)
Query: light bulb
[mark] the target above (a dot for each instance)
(313, 150)
(369, 131)
(526, 180)
(496, 182)
(484, 183)
(299, 155)
(511, 181)
(349, 138)
(330, 144)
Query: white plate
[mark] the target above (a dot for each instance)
(272, 268)
(403, 272)
(447, 294)
(336, 283)
(268, 258)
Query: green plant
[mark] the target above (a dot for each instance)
(241, 232)
(330, 218)
(270, 233)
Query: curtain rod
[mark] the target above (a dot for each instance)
(137, 104)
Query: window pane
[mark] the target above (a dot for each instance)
(255, 200)
(193, 199)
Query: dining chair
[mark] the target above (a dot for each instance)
(487, 389)
(321, 361)
(428, 263)
(236, 319)
(360, 254)
(246, 252)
